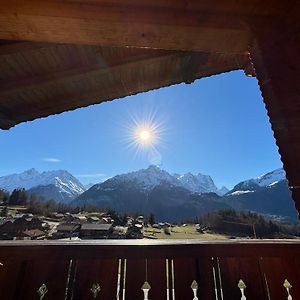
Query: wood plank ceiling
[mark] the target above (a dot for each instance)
(46, 79)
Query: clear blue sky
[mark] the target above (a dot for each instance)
(216, 126)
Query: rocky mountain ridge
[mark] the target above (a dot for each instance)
(59, 184)
(155, 190)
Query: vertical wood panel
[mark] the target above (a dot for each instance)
(278, 269)
(189, 269)
(52, 273)
(10, 275)
(233, 269)
(104, 272)
(136, 276)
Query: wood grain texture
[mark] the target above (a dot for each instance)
(110, 25)
(263, 265)
(51, 78)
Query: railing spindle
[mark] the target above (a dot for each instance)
(242, 286)
(288, 286)
(194, 287)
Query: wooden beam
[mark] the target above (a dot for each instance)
(232, 7)
(277, 64)
(172, 29)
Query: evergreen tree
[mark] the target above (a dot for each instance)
(151, 219)
(4, 212)
(18, 197)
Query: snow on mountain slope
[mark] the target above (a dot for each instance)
(154, 176)
(266, 180)
(271, 177)
(61, 179)
(198, 183)
(148, 178)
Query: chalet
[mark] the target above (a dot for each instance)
(79, 218)
(14, 228)
(95, 231)
(66, 230)
(34, 234)
(107, 220)
(93, 219)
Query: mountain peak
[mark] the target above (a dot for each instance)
(198, 183)
(31, 171)
(261, 181)
(62, 180)
(153, 168)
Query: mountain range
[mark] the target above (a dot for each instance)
(178, 197)
(171, 197)
(59, 185)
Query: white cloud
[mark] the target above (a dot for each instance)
(51, 159)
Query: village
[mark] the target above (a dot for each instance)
(80, 226)
(17, 223)
(62, 226)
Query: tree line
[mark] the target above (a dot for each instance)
(38, 205)
(249, 224)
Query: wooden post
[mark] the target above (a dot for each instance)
(276, 60)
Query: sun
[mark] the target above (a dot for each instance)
(144, 136)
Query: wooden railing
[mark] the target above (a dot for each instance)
(165, 270)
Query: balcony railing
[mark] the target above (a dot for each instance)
(164, 269)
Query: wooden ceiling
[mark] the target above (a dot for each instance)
(59, 55)
(38, 79)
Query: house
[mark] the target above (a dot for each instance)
(66, 230)
(79, 218)
(107, 220)
(34, 234)
(95, 231)
(93, 219)
(14, 228)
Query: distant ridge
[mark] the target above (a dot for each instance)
(171, 197)
(59, 185)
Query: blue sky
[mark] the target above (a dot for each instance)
(217, 126)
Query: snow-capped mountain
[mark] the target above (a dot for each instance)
(153, 176)
(267, 180)
(266, 194)
(270, 178)
(198, 183)
(147, 178)
(59, 182)
(149, 190)
(222, 191)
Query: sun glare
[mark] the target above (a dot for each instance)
(145, 134)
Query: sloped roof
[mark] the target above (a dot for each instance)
(98, 227)
(38, 79)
